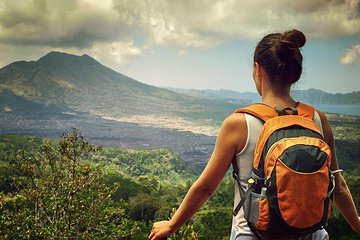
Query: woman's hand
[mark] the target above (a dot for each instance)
(161, 230)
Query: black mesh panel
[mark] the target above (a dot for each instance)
(303, 158)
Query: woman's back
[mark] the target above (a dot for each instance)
(244, 160)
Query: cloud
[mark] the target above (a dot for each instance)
(206, 23)
(352, 55)
(113, 26)
(121, 53)
(35, 27)
(113, 54)
(186, 23)
(181, 52)
(66, 23)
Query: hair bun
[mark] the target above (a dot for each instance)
(295, 38)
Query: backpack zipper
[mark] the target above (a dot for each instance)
(284, 140)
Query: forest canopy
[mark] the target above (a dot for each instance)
(68, 188)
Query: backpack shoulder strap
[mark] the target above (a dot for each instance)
(259, 110)
(265, 112)
(305, 110)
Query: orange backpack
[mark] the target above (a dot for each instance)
(291, 183)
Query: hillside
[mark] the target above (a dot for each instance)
(129, 163)
(83, 84)
(315, 96)
(11, 103)
(61, 91)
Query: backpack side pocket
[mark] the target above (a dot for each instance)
(256, 211)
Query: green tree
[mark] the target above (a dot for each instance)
(65, 196)
(185, 232)
(337, 226)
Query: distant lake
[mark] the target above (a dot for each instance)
(348, 109)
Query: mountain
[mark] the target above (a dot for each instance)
(311, 96)
(11, 103)
(315, 96)
(60, 91)
(84, 84)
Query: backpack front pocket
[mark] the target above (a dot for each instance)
(301, 195)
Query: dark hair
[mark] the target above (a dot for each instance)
(280, 56)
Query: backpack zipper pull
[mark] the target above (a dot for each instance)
(263, 191)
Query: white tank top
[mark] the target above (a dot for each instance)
(244, 160)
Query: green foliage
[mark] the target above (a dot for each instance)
(345, 127)
(214, 220)
(348, 153)
(9, 148)
(223, 197)
(70, 188)
(129, 187)
(10, 144)
(186, 231)
(337, 226)
(161, 164)
(213, 223)
(66, 197)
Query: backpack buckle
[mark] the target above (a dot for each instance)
(285, 111)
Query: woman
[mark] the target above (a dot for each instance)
(277, 66)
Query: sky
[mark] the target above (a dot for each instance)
(202, 44)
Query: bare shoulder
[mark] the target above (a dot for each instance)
(234, 130)
(234, 121)
(322, 115)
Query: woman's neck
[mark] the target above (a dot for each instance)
(276, 98)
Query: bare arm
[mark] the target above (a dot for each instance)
(231, 139)
(342, 196)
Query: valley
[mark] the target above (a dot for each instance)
(61, 91)
(192, 147)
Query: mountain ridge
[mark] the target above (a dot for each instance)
(83, 84)
(64, 79)
(311, 95)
